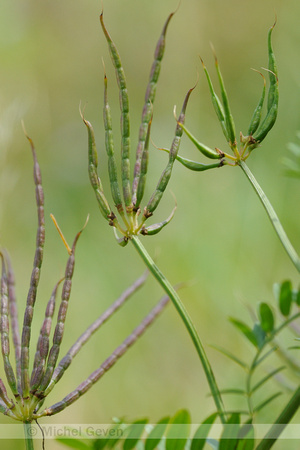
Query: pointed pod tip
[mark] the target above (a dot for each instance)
(257, 71)
(275, 21)
(29, 139)
(81, 111)
(104, 69)
(164, 31)
(202, 62)
(214, 52)
(273, 73)
(69, 250)
(102, 9)
(78, 235)
(177, 8)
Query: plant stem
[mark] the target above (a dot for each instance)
(283, 419)
(170, 291)
(28, 436)
(272, 216)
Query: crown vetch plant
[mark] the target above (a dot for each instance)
(30, 390)
(257, 131)
(130, 210)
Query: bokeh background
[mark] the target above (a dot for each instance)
(220, 239)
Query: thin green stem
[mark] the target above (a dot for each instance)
(28, 436)
(170, 291)
(294, 257)
(283, 419)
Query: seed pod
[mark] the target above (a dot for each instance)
(147, 109)
(109, 145)
(166, 175)
(61, 318)
(13, 311)
(206, 151)
(273, 95)
(92, 168)
(267, 124)
(108, 363)
(143, 168)
(43, 343)
(216, 103)
(35, 274)
(77, 346)
(123, 241)
(256, 118)
(273, 74)
(4, 331)
(125, 122)
(228, 116)
(157, 227)
(194, 165)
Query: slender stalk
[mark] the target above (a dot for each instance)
(170, 291)
(28, 436)
(283, 419)
(272, 216)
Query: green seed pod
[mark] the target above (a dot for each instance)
(123, 241)
(109, 144)
(256, 118)
(198, 167)
(166, 175)
(228, 116)
(267, 124)
(206, 151)
(156, 228)
(147, 109)
(273, 95)
(273, 74)
(143, 169)
(216, 103)
(92, 167)
(194, 165)
(125, 122)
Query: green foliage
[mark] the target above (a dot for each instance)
(170, 433)
(238, 434)
(292, 163)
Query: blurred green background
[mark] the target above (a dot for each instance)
(220, 238)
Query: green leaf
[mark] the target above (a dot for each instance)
(246, 437)
(231, 356)
(134, 433)
(178, 430)
(266, 317)
(266, 378)
(266, 355)
(228, 439)
(285, 297)
(111, 442)
(259, 334)
(247, 332)
(201, 433)
(266, 402)
(74, 443)
(233, 391)
(156, 434)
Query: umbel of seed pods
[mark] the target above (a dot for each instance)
(258, 129)
(30, 390)
(128, 204)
